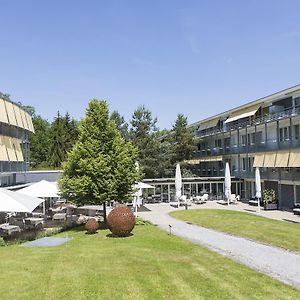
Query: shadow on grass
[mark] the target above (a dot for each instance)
(113, 236)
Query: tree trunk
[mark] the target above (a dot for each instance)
(104, 213)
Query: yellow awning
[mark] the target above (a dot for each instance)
(282, 159)
(212, 158)
(270, 158)
(294, 161)
(18, 116)
(24, 119)
(18, 149)
(3, 115)
(259, 160)
(10, 148)
(209, 124)
(243, 113)
(192, 161)
(3, 152)
(29, 122)
(11, 114)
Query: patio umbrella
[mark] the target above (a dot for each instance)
(42, 189)
(178, 183)
(15, 202)
(227, 183)
(257, 187)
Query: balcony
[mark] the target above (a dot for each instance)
(290, 112)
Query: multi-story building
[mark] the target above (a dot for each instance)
(264, 133)
(15, 126)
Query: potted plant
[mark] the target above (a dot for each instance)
(269, 199)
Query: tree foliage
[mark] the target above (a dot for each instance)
(101, 165)
(121, 124)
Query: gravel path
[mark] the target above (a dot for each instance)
(275, 262)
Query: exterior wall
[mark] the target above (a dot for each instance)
(272, 127)
(15, 126)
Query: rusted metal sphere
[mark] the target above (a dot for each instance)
(91, 226)
(121, 221)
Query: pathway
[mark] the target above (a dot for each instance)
(278, 263)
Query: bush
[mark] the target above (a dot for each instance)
(91, 226)
(2, 242)
(269, 196)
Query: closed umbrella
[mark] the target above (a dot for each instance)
(257, 187)
(178, 183)
(227, 183)
(15, 202)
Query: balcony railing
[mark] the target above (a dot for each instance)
(290, 112)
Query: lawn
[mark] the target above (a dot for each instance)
(278, 233)
(148, 265)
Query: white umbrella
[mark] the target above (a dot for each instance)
(257, 187)
(178, 183)
(42, 189)
(227, 183)
(15, 202)
(142, 185)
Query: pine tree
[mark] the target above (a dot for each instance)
(120, 123)
(101, 165)
(182, 139)
(57, 147)
(143, 133)
(71, 132)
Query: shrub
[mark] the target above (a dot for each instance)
(139, 221)
(91, 226)
(121, 221)
(269, 196)
(2, 242)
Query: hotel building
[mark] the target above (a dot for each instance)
(264, 133)
(15, 126)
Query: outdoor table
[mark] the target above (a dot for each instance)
(33, 222)
(6, 229)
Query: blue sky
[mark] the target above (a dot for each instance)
(193, 57)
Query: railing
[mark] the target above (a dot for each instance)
(250, 122)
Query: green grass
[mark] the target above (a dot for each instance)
(148, 265)
(277, 233)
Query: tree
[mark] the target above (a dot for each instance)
(101, 165)
(71, 132)
(182, 139)
(143, 134)
(57, 142)
(122, 126)
(39, 142)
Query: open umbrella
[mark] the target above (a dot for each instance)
(15, 202)
(227, 183)
(257, 187)
(42, 189)
(178, 183)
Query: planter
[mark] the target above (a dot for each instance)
(270, 206)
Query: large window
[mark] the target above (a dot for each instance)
(284, 133)
(243, 140)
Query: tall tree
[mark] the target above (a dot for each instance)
(143, 133)
(39, 142)
(71, 132)
(101, 165)
(57, 142)
(121, 124)
(182, 139)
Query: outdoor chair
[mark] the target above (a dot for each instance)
(201, 199)
(296, 209)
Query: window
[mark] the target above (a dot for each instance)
(285, 133)
(244, 163)
(259, 137)
(251, 139)
(296, 132)
(218, 143)
(243, 140)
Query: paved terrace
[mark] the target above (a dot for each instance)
(275, 262)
